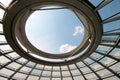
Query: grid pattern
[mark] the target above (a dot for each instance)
(102, 64)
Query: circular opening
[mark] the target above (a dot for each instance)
(54, 29)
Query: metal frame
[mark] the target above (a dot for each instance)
(106, 40)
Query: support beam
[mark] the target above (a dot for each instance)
(115, 73)
(4, 53)
(111, 20)
(110, 45)
(70, 72)
(30, 71)
(51, 73)
(99, 78)
(9, 62)
(61, 73)
(108, 40)
(81, 72)
(110, 34)
(113, 30)
(1, 21)
(1, 33)
(105, 2)
(41, 73)
(118, 60)
(18, 70)
(2, 6)
(3, 43)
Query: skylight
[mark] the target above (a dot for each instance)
(54, 30)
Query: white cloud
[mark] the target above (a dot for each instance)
(78, 29)
(66, 48)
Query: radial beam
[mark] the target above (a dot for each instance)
(9, 62)
(105, 2)
(92, 70)
(107, 40)
(108, 56)
(117, 75)
(110, 34)
(18, 70)
(81, 72)
(70, 72)
(2, 6)
(30, 71)
(111, 20)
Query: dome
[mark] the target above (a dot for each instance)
(59, 39)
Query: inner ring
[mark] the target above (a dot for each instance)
(25, 42)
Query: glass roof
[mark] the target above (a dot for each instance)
(102, 64)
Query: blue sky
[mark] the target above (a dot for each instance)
(54, 31)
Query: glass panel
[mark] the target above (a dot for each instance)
(20, 75)
(67, 78)
(6, 72)
(112, 26)
(109, 10)
(80, 64)
(46, 73)
(90, 76)
(15, 65)
(1, 13)
(79, 78)
(44, 78)
(102, 48)
(26, 69)
(95, 2)
(88, 60)
(104, 73)
(96, 55)
(36, 72)
(5, 47)
(115, 53)
(31, 64)
(56, 78)
(112, 78)
(116, 67)
(57, 68)
(23, 60)
(85, 70)
(33, 78)
(2, 38)
(72, 66)
(14, 55)
(107, 61)
(2, 78)
(39, 66)
(1, 28)
(96, 66)
(56, 74)
(65, 73)
(4, 60)
(47, 68)
(64, 68)
(75, 72)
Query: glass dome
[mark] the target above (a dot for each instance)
(100, 48)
